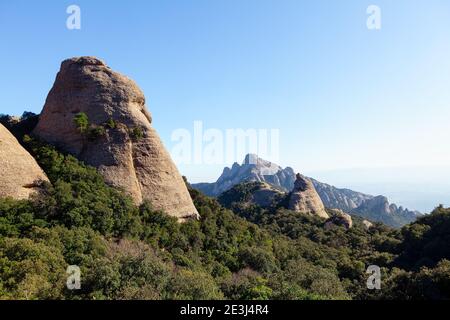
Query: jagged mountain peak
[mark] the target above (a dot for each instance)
(254, 168)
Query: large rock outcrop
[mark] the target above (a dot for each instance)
(20, 175)
(304, 198)
(119, 139)
(339, 218)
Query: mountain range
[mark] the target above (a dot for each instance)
(253, 168)
(87, 183)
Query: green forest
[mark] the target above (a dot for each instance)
(235, 251)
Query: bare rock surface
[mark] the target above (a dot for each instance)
(20, 175)
(339, 218)
(304, 198)
(120, 140)
(367, 224)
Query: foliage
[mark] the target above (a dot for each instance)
(137, 133)
(96, 132)
(81, 121)
(130, 252)
(426, 241)
(111, 123)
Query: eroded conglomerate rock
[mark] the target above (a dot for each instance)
(20, 175)
(119, 140)
(367, 224)
(339, 218)
(304, 198)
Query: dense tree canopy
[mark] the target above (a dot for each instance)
(243, 252)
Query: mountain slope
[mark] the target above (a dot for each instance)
(259, 170)
(344, 199)
(253, 169)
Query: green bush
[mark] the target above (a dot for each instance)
(137, 133)
(130, 252)
(111, 123)
(96, 132)
(81, 121)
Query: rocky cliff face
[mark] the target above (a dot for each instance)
(379, 209)
(304, 198)
(256, 169)
(339, 218)
(356, 203)
(253, 169)
(376, 208)
(118, 140)
(338, 198)
(20, 175)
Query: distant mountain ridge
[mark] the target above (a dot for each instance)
(252, 169)
(375, 208)
(340, 198)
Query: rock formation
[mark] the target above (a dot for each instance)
(304, 198)
(253, 169)
(118, 140)
(379, 209)
(339, 218)
(20, 175)
(367, 224)
(339, 198)
(356, 203)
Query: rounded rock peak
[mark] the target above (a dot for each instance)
(339, 218)
(304, 198)
(119, 139)
(83, 61)
(302, 183)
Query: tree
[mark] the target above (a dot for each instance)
(81, 121)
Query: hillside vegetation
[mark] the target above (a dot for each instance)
(240, 252)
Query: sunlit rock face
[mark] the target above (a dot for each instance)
(304, 198)
(120, 140)
(20, 175)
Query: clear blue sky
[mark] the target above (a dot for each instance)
(341, 95)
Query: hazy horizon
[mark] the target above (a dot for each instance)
(419, 188)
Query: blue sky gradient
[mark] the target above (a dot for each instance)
(345, 99)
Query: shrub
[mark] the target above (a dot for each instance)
(111, 123)
(137, 133)
(192, 285)
(96, 132)
(129, 252)
(246, 285)
(81, 121)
